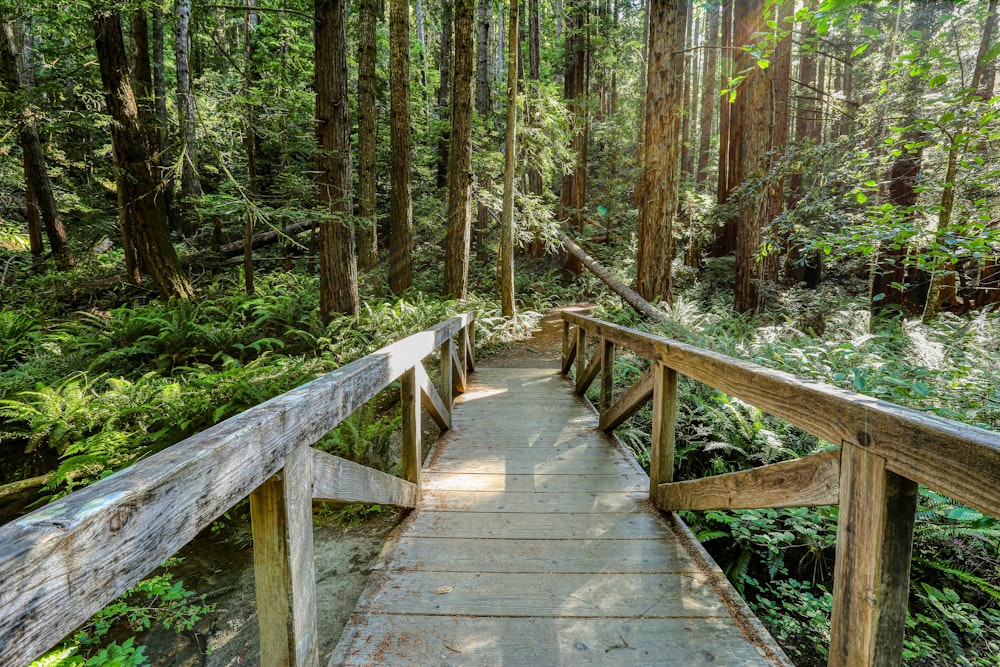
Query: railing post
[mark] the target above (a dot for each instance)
(281, 516)
(410, 401)
(872, 572)
(470, 361)
(661, 454)
(445, 380)
(581, 349)
(607, 375)
(565, 342)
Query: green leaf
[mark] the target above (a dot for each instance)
(861, 49)
(763, 63)
(870, 184)
(861, 197)
(992, 53)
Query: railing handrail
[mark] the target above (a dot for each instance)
(957, 460)
(68, 559)
(885, 450)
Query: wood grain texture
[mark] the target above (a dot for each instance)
(341, 480)
(593, 367)
(955, 459)
(569, 355)
(806, 482)
(284, 574)
(661, 452)
(445, 387)
(410, 405)
(581, 353)
(629, 402)
(132, 521)
(431, 401)
(607, 376)
(457, 373)
(872, 571)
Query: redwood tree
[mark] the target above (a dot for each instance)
(190, 183)
(400, 202)
(508, 306)
(367, 136)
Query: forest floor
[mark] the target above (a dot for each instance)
(221, 568)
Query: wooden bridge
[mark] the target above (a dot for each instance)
(535, 540)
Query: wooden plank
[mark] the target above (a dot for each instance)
(476, 501)
(550, 466)
(523, 454)
(503, 525)
(960, 461)
(410, 404)
(570, 356)
(580, 642)
(341, 480)
(281, 512)
(565, 340)
(458, 373)
(629, 402)
(806, 482)
(581, 352)
(448, 554)
(430, 399)
(470, 346)
(584, 381)
(132, 521)
(607, 376)
(546, 595)
(507, 483)
(872, 571)
(661, 453)
(445, 388)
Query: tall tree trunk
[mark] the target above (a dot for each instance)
(422, 39)
(400, 202)
(338, 274)
(661, 171)
(190, 183)
(987, 71)
(574, 189)
(443, 88)
(36, 175)
(456, 263)
(508, 306)
(535, 185)
(708, 91)
(725, 237)
(687, 110)
(251, 137)
(141, 193)
(484, 107)
(367, 137)
(159, 80)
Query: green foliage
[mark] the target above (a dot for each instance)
(356, 514)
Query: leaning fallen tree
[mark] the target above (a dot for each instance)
(631, 297)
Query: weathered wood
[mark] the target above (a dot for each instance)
(281, 513)
(607, 376)
(533, 483)
(570, 355)
(631, 297)
(132, 521)
(565, 341)
(430, 400)
(581, 353)
(504, 526)
(661, 452)
(529, 501)
(629, 402)
(410, 403)
(445, 388)
(806, 482)
(470, 346)
(960, 461)
(457, 373)
(584, 380)
(341, 480)
(872, 572)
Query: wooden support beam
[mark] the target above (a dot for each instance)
(457, 373)
(872, 572)
(344, 481)
(470, 346)
(629, 402)
(429, 398)
(661, 455)
(281, 515)
(445, 387)
(565, 340)
(410, 402)
(607, 376)
(570, 356)
(584, 381)
(581, 353)
(806, 482)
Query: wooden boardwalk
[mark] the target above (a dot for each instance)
(534, 544)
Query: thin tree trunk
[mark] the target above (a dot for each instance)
(484, 108)
(190, 183)
(400, 202)
(708, 79)
(141, 193)
(250, 137)
(725, 237)
(664, 100)
(687, 110)
(508, 306)
(338, 274)
(574, 190)
(36, 174)
(159, 80)
(456, 264)
(367, 137)
(535, 185)
(443, 89)
(421, 37)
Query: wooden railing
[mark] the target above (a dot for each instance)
(67, 560)
(885, 451)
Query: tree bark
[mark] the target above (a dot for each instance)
(141, 195)
(508, 306)
(338, 274)
(661, 171)
(484, 108)
(535, 184)
(687, 111)
(159, 80)
(574, 188)
(456, 263)
(190, 183)
(708, 92)
(36, 175)
(400, 202)
(443, 95)
(367, 237)
(725, 237)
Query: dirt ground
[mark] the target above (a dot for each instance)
(222, 570)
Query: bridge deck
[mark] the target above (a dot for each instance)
(533, 545)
